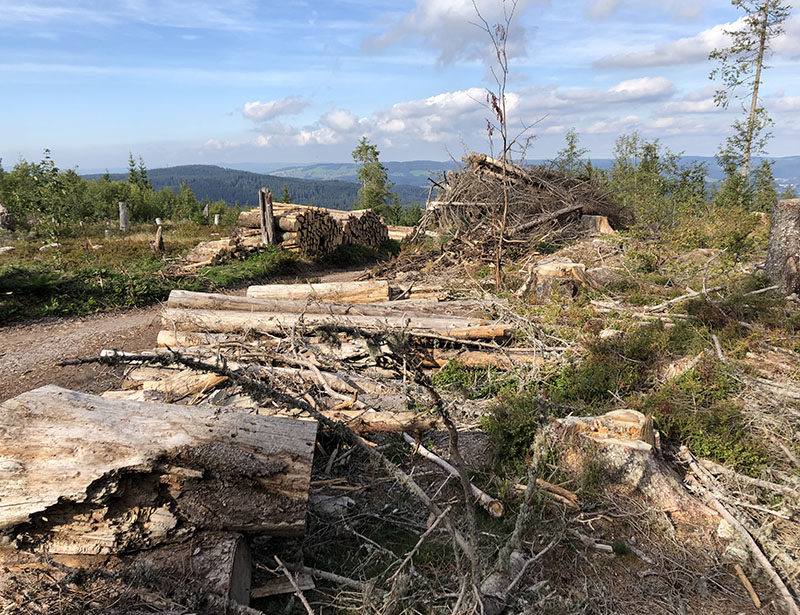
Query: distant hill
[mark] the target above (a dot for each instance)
(416, 172)
(235, 186)
(412, 173)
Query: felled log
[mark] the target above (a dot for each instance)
(401, 233)
(216, 301)
(501, 359)
(211, 252)
(369, 291)
(83, 474)
(783, 252)
(231, 321)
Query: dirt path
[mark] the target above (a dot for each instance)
(29, 352)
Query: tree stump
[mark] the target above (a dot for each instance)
(124, 222)
(6, 219)
(783, 254)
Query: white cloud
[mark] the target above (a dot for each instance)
(706, 105)
(615, 126)
(691, 49)
(340, 120)
(696, 48)
(682, 9)
(449, 27)
(262, 112)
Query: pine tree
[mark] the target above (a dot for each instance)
(286, 197)
(375, 190)
(740, 67)
(764, 191)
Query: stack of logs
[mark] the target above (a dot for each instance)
(334, 317)
(313, 230)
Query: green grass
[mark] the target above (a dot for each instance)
(75, 279)
(32, 290)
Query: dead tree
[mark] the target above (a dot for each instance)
(783, 254)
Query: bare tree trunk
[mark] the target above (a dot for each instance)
(751, 119)
(783, 254)
(124, 223)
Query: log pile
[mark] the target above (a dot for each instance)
(315, 230)
(308, 230)
(336, 337)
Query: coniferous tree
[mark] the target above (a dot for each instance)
(740, 69)
(376, 189)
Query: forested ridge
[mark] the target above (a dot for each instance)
(232, 186)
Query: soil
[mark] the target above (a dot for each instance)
(29, 351)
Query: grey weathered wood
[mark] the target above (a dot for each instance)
(232, 321)
(783, 253)
(84, 474)
(267, 219)
(124, 222)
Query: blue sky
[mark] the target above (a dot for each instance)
(181, 82)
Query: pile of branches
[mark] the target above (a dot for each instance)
(544, 204)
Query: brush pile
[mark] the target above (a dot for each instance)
(543, 205)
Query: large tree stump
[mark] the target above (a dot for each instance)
(86, 475)
(783, 254)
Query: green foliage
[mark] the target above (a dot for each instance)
(472, 382)
(612, 367)
(511, 424)
(125, 274)
(376, 189)
(739, 69)
(766, 193)
(647, 179)
(789, 192)
(285, 196)
(698, 410)
(569, 160)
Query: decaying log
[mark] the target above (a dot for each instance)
(783, 253)
(369, 291)
(218, 562)
(83, 474)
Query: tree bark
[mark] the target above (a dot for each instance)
(87, 475)
(783, 252)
